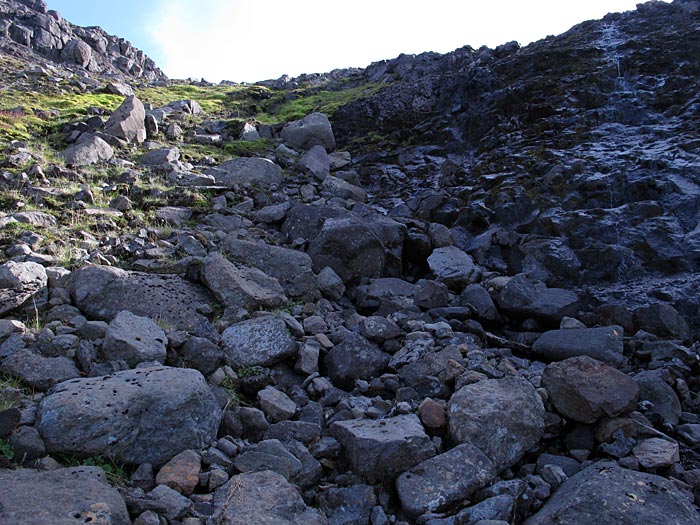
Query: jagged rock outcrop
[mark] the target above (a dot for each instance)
(29, 29)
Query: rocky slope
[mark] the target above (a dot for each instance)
(31, 32)
(468, 297)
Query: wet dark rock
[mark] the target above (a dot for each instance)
(603, 344)
(524, 298)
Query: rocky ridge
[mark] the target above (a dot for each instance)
(395, 315)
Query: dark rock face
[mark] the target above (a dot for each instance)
(576, 201)
(29, 29)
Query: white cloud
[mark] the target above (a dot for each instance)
(255, 40)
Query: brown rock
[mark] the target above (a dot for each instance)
(181, 473)
(585, 389)
(432, 414)
(656, 452)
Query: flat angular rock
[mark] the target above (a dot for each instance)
(21, 282)
(313, 130)
(293, 269)
(269, 455)
(315, 163)
(524, 298)
(147, 415)
(247, 170)
(656, 453)
(480, 300)
(159, 156)
(173, 215)
(66, 496)
(354, 358)
(379, 328)
(501, 417)
(276, 404)
(102, 292)
(584, 389)
(379, 450)
(134, 339)
(342, 189)
(38, 371)
(652, 387)
(90, 149)
(662, 320)
(264, 498)
(439, 482)
(453, 267)
(263, 341)
(602, 343)
(606, 494)
(128, 121)
(238, 285)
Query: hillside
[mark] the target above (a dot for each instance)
(440, 290)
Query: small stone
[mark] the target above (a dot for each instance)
(432, 414)
(276, 404)
(656, 452)
(181, 473)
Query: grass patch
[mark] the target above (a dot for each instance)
(117, 473)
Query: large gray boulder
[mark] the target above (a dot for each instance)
(339, 188)
(247, 170)
(134, 339)
(20, 283)
(354, 358)
(263, 341)
(128, 121)
(102, 292)
(89, 149)
(315, 163)
(159, 156)
(379, 450)
(606, 494)
(350, 248)
(653, 387)
(602, 343)
(147, 415)
(442, 481)
(77, 51)
(66, 496)
(583, 389)
(264, 498)
(501, 417)
(524, 298)
(453, 267)
(293, 269)
(238, 285)
(313, 130)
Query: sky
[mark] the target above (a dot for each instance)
(253, 40)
